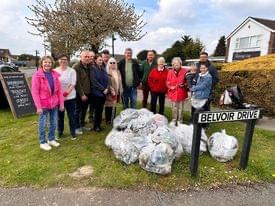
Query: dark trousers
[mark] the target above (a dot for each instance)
(205, 107)
(129, 95)
(109, 111)
(145, 92)
(154, 97)
(91, 113)
(98, 102)
(80, 111)
(70, 109)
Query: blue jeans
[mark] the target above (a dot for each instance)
(129, 94)
(42, 124)
(70, 109)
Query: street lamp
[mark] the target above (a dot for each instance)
(36, 59)
(113, 45)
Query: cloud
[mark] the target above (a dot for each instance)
(241, 8)
(158, 40)
(173, 12)
(14, 28)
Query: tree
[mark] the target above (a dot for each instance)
(70, 25)
(220, 48)
(187, 48)
(142, 55)
(26, 57)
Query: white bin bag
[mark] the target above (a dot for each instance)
(222, 147)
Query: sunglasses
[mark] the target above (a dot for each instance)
(112, 62)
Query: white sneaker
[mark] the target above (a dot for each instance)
(45, 146)
(54, 143)
(78, 131)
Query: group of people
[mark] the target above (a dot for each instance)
(99, 81)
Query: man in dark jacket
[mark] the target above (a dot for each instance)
(83, 88)
(130, 75)
(212, 71)
(146, 67)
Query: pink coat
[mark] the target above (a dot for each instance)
(176, 93)
(41, 91)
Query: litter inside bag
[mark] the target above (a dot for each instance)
(157, 158)
(184, 135)
(124, 149)
(222, 147)
(122, 120)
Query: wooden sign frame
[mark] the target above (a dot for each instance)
(7, 93)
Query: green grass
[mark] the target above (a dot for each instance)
(23, 163)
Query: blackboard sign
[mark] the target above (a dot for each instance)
(18, 93)
(227, 116)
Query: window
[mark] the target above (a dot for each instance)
(247, 42)
(244, 42)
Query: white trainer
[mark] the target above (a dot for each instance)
(45, 146)
(78, 131)
(54, 143)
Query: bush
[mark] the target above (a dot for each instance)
(257, 86)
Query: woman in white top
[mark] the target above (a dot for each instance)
(67, 79)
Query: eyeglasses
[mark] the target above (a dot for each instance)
(112, 63)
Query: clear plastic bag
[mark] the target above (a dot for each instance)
(157, 158)
(184, 135)
(123, 119)
(122, 146)
(222, 147)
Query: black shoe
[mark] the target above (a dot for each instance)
(59, 135)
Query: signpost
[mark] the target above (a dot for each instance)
(249, 115)
(18, 93)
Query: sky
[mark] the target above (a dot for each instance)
(167, 21)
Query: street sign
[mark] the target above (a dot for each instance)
(228, 116)
(250, 115)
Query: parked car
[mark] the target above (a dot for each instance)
(7, 68)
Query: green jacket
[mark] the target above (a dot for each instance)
(145, 70)
(83, 86)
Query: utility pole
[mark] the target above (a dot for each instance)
(36, 59)
(113, 45)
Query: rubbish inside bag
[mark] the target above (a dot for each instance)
(222, 147)
(157, 158)
(184, 135)
(141, 135)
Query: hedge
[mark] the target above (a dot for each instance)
(257, 86)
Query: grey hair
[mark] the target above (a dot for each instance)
(128, 49)
(176, 59)
(160, 59)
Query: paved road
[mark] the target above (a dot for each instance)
(263, 195)
(28, 72)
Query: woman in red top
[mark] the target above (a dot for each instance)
(157, 84)
(177, 91)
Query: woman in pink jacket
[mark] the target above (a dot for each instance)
(177, 91)
(48, 97)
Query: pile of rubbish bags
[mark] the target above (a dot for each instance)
(140, 135)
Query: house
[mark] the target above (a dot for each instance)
(5, 55)
(215, 59)
(253, 37)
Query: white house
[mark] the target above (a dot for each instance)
(254, 37)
